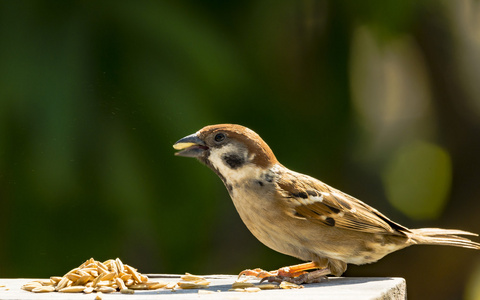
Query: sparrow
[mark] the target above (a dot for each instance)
(298, 215)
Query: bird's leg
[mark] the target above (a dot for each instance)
(296, 274)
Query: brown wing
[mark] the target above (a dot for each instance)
(318, 202)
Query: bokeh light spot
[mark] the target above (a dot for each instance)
(417, 179)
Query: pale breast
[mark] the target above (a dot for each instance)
(262, 217)
(299, 237)
(266, 215)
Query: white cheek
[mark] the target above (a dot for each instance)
(237, 175)
(216, 159)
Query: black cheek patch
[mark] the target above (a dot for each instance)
(233, 160)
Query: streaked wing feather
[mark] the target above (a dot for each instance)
(320, 203)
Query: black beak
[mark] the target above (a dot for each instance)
(190, 146)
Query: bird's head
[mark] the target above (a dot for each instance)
(226, 147)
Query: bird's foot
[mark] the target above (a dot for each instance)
(259, 273)
(295, 274)
(307, 277)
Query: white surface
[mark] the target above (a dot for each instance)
(342, 288)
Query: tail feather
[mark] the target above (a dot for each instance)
(448, 237)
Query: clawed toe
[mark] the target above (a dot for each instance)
(294, 274)
(259, 273)
(311, 277)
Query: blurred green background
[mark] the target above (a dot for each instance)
(380, 99)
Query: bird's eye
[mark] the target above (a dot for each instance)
(219, 137)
